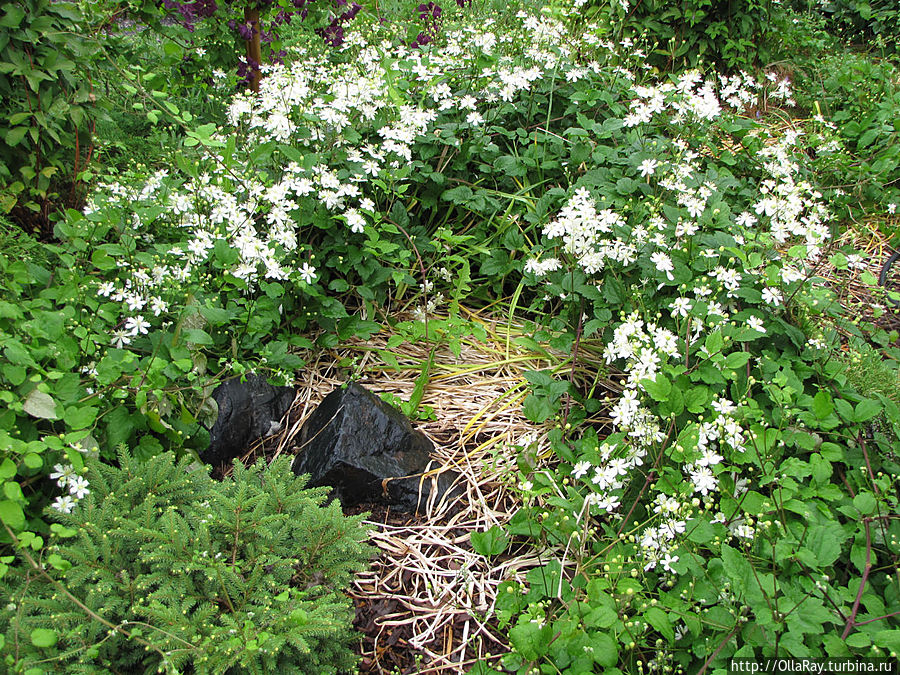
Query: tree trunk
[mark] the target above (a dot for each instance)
(254, 51)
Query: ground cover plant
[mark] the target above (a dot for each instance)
(664, 234)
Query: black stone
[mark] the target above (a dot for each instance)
(354, 441)
(248, 411)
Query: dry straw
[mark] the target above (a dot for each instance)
(440, 593)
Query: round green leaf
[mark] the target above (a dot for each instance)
(43, 637)
(865, 502)
(11, 514)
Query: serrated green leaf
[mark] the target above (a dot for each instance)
(659, 388)
(13, 17)
(867, 409)
(822, 405)
(80, 417)
(604, 650)
(492, 542)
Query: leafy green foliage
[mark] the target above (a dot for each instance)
(858, 152)
(160, 567)
(735, 493)
(731, 33)
(868, 23)
(46, 101)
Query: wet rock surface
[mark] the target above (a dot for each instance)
(367, 451)
(248, 411)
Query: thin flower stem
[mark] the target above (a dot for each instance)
(851, 622)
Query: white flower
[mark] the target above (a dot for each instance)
(744, 531)
(64, 504)
(663, 263)
(308, 273)
(63, 474)
(78, 487)
(647, 167)
(120, 339)
(136, 325)
(158, 306)
(680, 307)
(772, 296)
(474, 118)
(755, 323)
(667, 562)
(892, 208)
(608, 503)
(355, 220)
(106, 289)
(580, 469)
(704, 480)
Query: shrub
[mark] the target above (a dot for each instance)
(46, 105)
(868, 23)
(160, 567)
(730, 33)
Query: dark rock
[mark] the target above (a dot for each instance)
(354, 441)
(248, 411)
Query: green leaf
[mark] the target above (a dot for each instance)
(43, 637)
(13, 491)
(80, 417)
(33, 460)
(7, 468)
(864, 502)
(867, 409)
(538, 408)
(825, 542)
(15, 135)
(600, 617)
(659, 388)
(714, 342)
(737, 567)
(492, 542)
(695, 399)
(822, 406)
(530, 640)
(888, 639)
(13, 17)
(12, 515)
(39, 404)
(197, 337)
(657, 618)
(737, 360)
(605, 650)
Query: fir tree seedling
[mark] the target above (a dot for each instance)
(160, 568)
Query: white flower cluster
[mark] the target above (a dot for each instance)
(692, 98)
(351, 111)
(794, 208)
(589, 236)
(66, 478)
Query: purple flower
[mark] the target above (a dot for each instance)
(430, 10)
(333, 33)
(421, 40)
